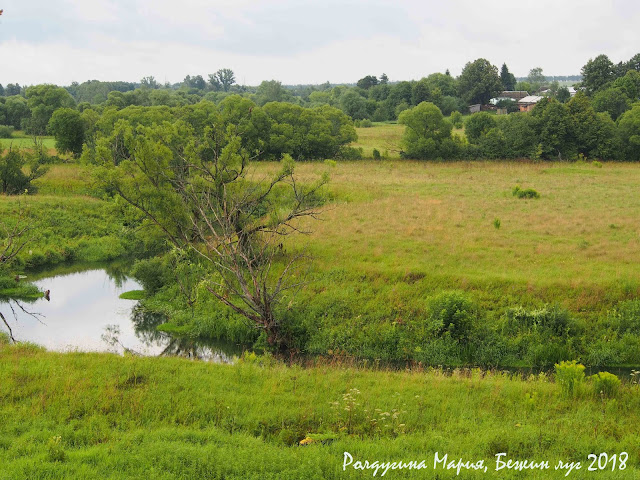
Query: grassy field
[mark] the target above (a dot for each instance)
(87, 416)
(577, 244)
(21, 140)
(384, 136)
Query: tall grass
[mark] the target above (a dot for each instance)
(172, 418)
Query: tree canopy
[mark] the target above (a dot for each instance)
(479, 82)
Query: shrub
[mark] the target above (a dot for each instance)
(496, 223)
(17, 171)
(55, 451)
(605, 384)
(570, 376)
(351, 153)
(452, 313)
(366, 123)
(478, 124)
(376, 154)
(526, 193)
(553, 319)
(456, 119)
(6, 131)
(151, 273)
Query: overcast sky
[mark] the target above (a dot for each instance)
(297, 41)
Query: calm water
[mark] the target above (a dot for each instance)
(85, 313)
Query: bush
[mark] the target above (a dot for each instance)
(376, 154)
(6, 131)
(570, 376)
(17, 171)
(605, 384)
(456, 119)
(366, 123)
(478, 125)
(151, 273)
(351, 153)
(554, 319)
(526, 193)
(452, 313)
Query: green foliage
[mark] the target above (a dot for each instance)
(597, 73)
(456, 119)
(595, 134)
(15, 111)
(43, 100)
(605, 384)
(307, 134)
(152, 273)
(496, 223)
(629, 132)
(366, 123)
(536, 78)
(479, 82)
(570, 377)
(524, 193)
(55, 451)
(556, 129)
(18, 170)
(67, 126)
(427, 134)
(563, 95)
(478, 124)
(555, 320)
(520, 135)
(6, 131)
(453, 314)
(376, 154)
(507, 78)
(613, 101)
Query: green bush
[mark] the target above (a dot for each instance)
(526, 193)
(452, 313)
(6, 131)
(605, 384)
(376, 154)
(456, 119)
(570, 376)
(554, 319)
(151, 273)
(351, 153)
(366, 123)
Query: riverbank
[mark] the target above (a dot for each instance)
(81, 415)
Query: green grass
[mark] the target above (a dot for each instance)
(65, 228)
(21, 140)
(172, 418)
(133, 295)
(384, 137)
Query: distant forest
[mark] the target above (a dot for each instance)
(606, 92)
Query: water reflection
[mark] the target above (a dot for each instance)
(85, 313)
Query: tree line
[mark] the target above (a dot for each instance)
(552, 130)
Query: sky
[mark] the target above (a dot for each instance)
(305, 42)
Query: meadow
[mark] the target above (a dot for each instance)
(20, 140)
(399, 246)
(78, 415)
(537, 280)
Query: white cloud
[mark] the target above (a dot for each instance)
(59, 41)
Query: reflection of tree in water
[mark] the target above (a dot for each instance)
(145, 325)
(117, 272)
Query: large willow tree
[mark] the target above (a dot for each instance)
(193, 182)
